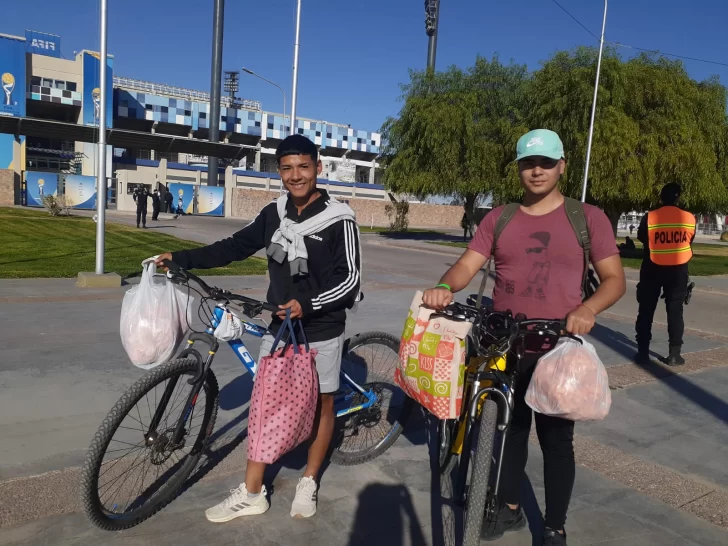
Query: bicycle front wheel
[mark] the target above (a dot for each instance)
(370, 360)
(480, 474)
(132, 470)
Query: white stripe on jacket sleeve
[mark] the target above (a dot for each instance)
(353, 276)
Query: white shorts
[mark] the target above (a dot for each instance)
(328, 360)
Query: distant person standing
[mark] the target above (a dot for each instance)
(667, 234)
(631, 229)
(155, 205)
(168, 200)
(141, 195)
(467, 227)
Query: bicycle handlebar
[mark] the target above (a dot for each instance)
(218, 293)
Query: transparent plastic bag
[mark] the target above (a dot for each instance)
(570, 382)
(154, 318)
(230, 327)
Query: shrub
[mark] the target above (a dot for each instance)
(397, 212)
(57, 205)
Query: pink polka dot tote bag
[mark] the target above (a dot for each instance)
(285, 396)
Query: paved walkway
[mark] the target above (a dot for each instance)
(651, 473)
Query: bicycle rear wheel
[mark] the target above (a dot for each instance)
(370, 359)
(480, 474)
(131, 472)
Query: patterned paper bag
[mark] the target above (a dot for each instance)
(432, 360)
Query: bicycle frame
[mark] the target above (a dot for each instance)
(500, 388)
(244, 356)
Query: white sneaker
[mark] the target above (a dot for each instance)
(239, 503)
(304, 505)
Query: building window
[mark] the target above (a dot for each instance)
(374, 143)
(149, 107)
(203, 115)
(45, 82)
(165, 109)
(346, 138)
(328, 135)
(270, 125)
(358, 141)
(257, 124)
(188, 113)
(124, 103)
(318, 133)
(71, 86)
(300, 131)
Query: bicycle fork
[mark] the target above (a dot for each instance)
(505, 409)
(197, 382)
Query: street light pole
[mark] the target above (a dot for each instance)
(594, 107)
(248, 71)
(218, 23)
(432, 20)
(294, 92)
(101, 166)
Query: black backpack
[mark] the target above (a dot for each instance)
(577, 219)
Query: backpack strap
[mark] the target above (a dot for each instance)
(508, 212)
(577, 218)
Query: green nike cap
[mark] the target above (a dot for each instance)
(540, 142)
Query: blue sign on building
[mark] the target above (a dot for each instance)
(91, 89)
(12, 76)
(41, 43)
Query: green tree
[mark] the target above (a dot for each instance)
(654, 125)
(456, 132)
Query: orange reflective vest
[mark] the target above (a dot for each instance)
(670, 232)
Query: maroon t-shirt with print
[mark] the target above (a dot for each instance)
(538, 260)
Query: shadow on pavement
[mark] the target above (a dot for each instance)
(421, 236)
(532, 510)
(386, 514)
(669, 376)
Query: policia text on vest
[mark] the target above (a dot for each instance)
(671, 230)
(667, 234)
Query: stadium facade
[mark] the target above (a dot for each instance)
(157, 135)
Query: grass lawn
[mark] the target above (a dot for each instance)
(34, 244)
(707, 259)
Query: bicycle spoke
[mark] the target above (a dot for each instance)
(115, 480)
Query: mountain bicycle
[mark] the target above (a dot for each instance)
(498, 341)
(163, 423)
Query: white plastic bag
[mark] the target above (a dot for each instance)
(570, 382)
(229, 328)
(154, 317)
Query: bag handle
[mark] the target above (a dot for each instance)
(299, 322)
(287, 326)
(290, 327)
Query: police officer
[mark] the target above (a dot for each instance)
(155, 205)
(141, 194)
(168, 199)
(667, 234)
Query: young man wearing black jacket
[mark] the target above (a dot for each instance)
(314, 262)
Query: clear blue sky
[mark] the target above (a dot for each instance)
(354, 54)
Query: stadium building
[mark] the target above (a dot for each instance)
(157, 136)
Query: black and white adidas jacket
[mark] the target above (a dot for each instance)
(334, 266)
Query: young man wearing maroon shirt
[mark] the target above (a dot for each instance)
(539, 265)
